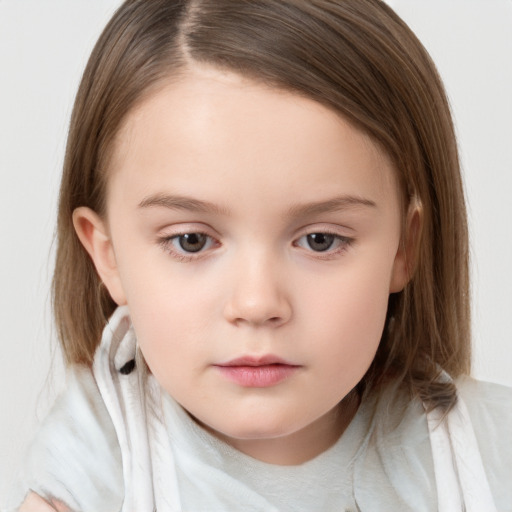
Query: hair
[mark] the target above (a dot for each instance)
(355, 56)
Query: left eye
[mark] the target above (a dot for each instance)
(321, 242)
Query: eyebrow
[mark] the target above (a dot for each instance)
(175, 202)
(178, 202)
(336, 204)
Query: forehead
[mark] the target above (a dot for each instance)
(211, 127)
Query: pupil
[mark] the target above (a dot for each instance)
(320, 241)
(192, 242)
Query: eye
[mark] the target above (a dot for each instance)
(185, 246)
(323, 242)
(320, 242)
(191, 242)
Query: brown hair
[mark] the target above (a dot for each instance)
(355, 56)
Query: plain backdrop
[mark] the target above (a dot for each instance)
(44, 45)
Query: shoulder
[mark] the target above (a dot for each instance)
(397, 463)
(490, 409)
(485, 398)
(75, 456)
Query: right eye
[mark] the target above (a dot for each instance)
(191, 242)
(184, 246)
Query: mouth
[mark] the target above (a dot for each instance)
(257, 372)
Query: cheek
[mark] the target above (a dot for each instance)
(162, 290)
(171, 314)
(348, 315)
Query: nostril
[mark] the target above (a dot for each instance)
(257, 302)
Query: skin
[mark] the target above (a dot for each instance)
(34, 503)
(264, 160)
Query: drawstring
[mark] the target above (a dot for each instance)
(120, 392)
(461, 481)
(132, 398)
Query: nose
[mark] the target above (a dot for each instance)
(258, 294)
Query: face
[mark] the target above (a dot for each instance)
(254, 235)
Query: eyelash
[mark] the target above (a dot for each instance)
(167, 243)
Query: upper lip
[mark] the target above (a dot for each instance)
(256, 361)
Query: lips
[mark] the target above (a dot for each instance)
(257, 372)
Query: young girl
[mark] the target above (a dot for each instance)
(261, 284)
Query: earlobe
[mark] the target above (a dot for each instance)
(93, 234)
(407, 255)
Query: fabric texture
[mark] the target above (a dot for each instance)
(116, 441)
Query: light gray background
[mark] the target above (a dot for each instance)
(44, 45)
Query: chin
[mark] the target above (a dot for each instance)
(257, 429)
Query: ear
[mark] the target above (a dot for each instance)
(407, 254)
(93, 234)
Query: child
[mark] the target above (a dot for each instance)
(262, 212)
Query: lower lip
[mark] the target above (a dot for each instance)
(262, 376)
